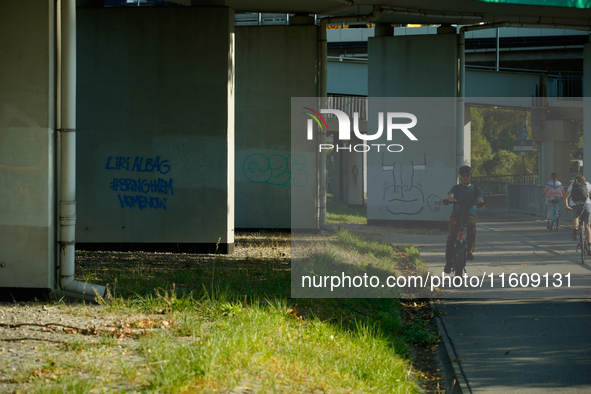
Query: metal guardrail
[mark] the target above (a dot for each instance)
(260, 19)
(565, 85)
(493, 192)
(495, 189)
(530, 179)
(348, 104)
(528, 199)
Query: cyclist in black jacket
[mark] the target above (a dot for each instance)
(472, 195)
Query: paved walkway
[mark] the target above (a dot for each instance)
(511, 342)
(521, 339)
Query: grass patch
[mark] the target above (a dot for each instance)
(336, 213)
(230, 323)
(339, 214)
(352, 266)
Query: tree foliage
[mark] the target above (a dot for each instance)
(492, 134)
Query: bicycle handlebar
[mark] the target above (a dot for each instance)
(462, 203)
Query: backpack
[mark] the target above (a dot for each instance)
(579, 193)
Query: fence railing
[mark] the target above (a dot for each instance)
(565, 85)
(530, 179)
(528, 199)
(495, 188)
(493, 192)
(348, 104)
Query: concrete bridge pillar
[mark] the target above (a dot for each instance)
(587, 110)
(27, 150)
(156, 128)
(420, 74)
(555, 158)
(355, 173)
(554, 137)
(273, 64)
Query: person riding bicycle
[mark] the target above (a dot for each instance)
(472, 196)
(578, 191)
(553, 191)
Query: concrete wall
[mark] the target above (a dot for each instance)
(273, 64)
(346, 77)
(155, 127)
(501, 84)
(413, 66)
(27, 122)
(420, 74)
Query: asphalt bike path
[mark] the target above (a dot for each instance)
(520, 339)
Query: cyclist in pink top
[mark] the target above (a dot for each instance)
(553, 191)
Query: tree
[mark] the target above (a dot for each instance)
(493, 133)
(481, 150)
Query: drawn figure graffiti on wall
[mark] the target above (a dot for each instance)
(434, 202)
(402, 197)
(139, 192)
(276, 169)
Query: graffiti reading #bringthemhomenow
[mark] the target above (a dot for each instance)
(139, 192)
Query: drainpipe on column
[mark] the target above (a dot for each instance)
(322, 59)
(66, 126)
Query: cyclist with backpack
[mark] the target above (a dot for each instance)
(581, 204)
(472, 196)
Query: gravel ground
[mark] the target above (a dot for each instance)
(35, 341)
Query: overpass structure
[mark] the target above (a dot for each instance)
(164, 125)
(501, 65)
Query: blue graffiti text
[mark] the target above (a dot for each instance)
(160, 186)
(141, 202)
(139, 164)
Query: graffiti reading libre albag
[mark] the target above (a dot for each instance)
(345, 130)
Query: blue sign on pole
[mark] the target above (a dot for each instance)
(523, 134)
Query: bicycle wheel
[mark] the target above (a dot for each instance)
(460, 261)
(556, 222)
(584, 245)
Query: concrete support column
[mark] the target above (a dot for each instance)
(554, 137)
(27, 149)
(587, 110)
(467, 137)
(407, 185)
(383, 30)
(555, 159)
(337, 183)
(273, 64)
(155, 122)
(355, 174)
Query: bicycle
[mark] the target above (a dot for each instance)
(555, 216)
(582, 243)
(460, 246)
